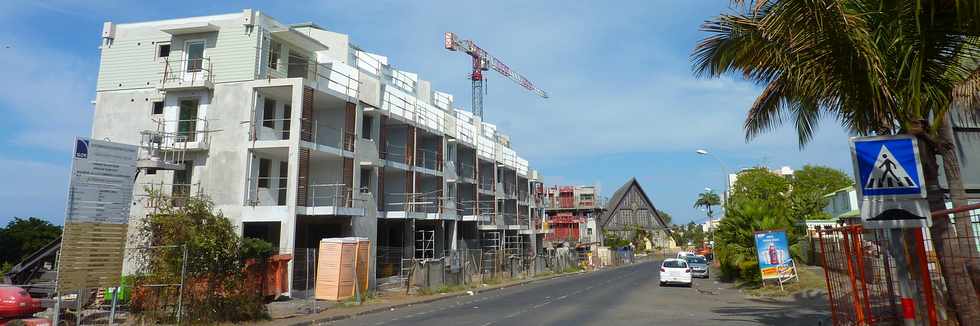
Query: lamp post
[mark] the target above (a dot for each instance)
(724, 171)
(724, 193)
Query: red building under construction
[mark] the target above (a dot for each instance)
(569, 210)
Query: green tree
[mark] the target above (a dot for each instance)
(819, 179)
(760, 200)
(707, 199)
(22, 237)
(877, 67)
(810, 185)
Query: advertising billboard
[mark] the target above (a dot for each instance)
(772, 247)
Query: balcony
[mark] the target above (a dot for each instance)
(331, 199)
(467, 172)
(427, 159)
(396, 154)
(486, 184)
(324, 134)
(426, 205)
(194, 74)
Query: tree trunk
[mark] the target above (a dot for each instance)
(951, 253)
(965, 259)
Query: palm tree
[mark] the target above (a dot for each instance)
(877, 67)
(707, 199)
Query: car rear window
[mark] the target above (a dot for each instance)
(675, 264)
(696, 260)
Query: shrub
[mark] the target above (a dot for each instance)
(215, 285)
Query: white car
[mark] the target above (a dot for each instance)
(675, 271)
(684, 254)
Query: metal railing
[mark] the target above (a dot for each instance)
(191, 70)
(395, 153)
(331, 194)
(280, 129)
(189, 130)
(275, 187)
(424, 202)
(466, 171)
(486, 183)
(338, 80)
(428, 159)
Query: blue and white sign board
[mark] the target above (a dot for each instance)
(890, 183)
(100, 194)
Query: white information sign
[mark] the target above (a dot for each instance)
(100, 194)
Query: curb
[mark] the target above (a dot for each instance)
(428, 300)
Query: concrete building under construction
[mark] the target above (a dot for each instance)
(571, 214)
(297, 134)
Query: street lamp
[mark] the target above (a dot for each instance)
(724, 171)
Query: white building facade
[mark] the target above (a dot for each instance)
(296, 135)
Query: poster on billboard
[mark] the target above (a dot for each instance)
(772, 248)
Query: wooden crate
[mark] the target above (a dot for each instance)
(340, 262)
(335, 269)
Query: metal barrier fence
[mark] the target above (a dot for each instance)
(164, 293)
(891, 276)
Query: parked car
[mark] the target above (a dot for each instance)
(17, 304)
(675, 271)
(684, 254)
(699, 266)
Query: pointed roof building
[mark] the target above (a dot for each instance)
(630, 209)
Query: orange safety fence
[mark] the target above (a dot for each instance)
(865, 272)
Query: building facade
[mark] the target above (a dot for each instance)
(630, 210)
(571, 213)
(296, 134)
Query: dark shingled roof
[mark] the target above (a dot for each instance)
(618, 197)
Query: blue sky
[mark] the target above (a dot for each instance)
(623, 99)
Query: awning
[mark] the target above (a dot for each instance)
(190, 28)
(299, 39)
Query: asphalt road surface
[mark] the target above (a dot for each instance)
(628, 295)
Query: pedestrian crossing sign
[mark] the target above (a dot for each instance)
(887, 167)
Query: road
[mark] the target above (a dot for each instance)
(628, 295)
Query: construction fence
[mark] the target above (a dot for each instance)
(161, 290)
(895, 276)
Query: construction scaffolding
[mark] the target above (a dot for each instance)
(425, 244)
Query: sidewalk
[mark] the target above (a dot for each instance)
(339, 312)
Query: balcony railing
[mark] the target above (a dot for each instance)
(331, 194)
(428, 159)
(192, 73)
(267, 191)
(395, 153)
(272, 129)
(312, 131)
(486, 183)
(425, 202)
(466, 171)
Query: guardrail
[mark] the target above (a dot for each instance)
(191, 70)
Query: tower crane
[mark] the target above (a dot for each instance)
(483, 61)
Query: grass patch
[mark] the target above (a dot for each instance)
(493, 281)
(571, 269)
(369, 297)
(809, 280)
